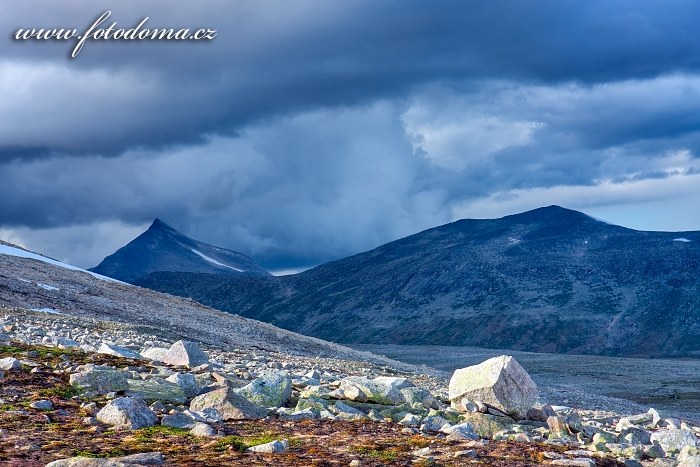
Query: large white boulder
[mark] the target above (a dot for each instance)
(185, 353)
(499, 382)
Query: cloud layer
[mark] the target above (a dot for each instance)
(311, 130)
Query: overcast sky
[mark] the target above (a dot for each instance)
(311, 130)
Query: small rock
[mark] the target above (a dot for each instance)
(382, 390)
(141, 459)
(423, 452)
(157, 407)
(89, 408)
(156, 389)
(9, 364)
(410, 420)
(111, 349)
(466, 453)
(689, 457)
(202, 430)
(178, 420)
(43, 404)
(127, 412)
(273, 447)
(346, 412)
(632, 420)
(461, 432)
(420, 395)
(558, 427)
(578, 462)
(541, 415)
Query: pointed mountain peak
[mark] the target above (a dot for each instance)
(160, 225)
(161, 248)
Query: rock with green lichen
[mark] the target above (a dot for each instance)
(229, 404)
(156, 389)
(99, 379)
(674, 440)
(269, 390)
(382, 390)
(421, 396)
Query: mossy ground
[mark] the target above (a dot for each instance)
(33, 438)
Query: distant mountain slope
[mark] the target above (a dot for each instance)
(162, 248)
(550, 279)
(32, 281)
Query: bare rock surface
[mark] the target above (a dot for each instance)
(185, 353)
(229, 404)
(134, 460)
(500, 382)
(127, 412)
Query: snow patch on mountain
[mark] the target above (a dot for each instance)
(213, 261)
(50, 311)
(13, 251)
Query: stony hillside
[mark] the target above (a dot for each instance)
(162, 248)
(36, 282)
(551, 280)
(87, 393)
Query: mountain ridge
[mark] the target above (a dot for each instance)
(550, 279)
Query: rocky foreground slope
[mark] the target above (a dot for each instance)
(548, 280)
(92, 393)
(37, 283)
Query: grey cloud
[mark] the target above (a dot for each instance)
(279, 58)
(311, 130)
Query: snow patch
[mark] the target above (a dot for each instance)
(213, 261)
(18, 252)
(684, 240)
(50, 311)
(48, 287)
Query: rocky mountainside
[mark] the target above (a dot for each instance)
(32, 281)
(162, 248)
(551, 279)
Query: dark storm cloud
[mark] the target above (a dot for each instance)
(276, 58)
(310, 130)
